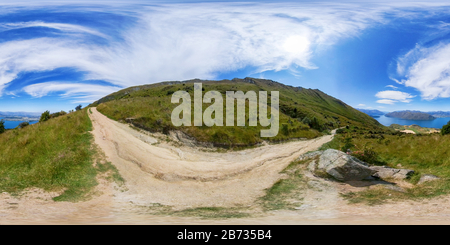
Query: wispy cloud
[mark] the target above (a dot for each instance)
(185, 41)
(58, 26)
(391, 86)
(81, 93)
(391, 97)
(427, 69)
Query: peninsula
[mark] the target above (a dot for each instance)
(411, 115)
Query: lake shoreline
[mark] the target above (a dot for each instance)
(437, 123)
(13, 122)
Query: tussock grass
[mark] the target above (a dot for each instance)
(424, 153)
(55, 155)
(286, 190)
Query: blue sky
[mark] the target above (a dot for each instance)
(387, 56)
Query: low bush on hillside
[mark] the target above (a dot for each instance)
(2, 126)
(23, 124)
(446, 129)
(45, 116)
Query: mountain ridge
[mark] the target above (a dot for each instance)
(411, 115)
(304, 113)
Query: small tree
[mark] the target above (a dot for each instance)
(78, 108)
(2, 126)
(446, 129)
(45, 116)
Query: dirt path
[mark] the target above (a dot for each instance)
(184, 177)
(187, 177)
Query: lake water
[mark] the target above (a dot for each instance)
(436, 123)
(14, 124)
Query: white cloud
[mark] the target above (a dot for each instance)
(362, 105)
(428, 70)
(80, 93)
(386, 101)
(185, 41)
(59, 26)
(390, 97)
(199, 40)
(391, 86)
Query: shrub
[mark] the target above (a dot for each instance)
(306, 121)
(340, 131)
(78, 108)
(57, 114)
(284, 129)
(45, 116)
(2, 126)
(368, 155)
(23, 124)
(348, 144)
(315, 124)
(446, 129)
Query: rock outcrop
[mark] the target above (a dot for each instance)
(426, 178)
(340, 166)
(344, 167)
(384, 172)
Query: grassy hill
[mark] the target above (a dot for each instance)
(304, 113)
(55, 155)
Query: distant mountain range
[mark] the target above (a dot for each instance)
(372, 113)
(20, 114)
(439, 114)
(408, 114)
(411, 115)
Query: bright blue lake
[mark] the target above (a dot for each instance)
(14, 124)
(436, 123)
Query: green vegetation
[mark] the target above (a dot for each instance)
(213, 212)
(446, 129)
(45, 116)
(55, 155)
(415, 128)
(2, 126)
(282, 194)
(423, 153)
(304, 113)
(23, 124)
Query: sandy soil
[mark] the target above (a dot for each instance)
(408, 131)
(184, 177)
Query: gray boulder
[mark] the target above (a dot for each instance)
(342, 166)
(426, 178)
(391, 173)
(310, 155)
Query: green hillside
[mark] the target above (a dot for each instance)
(55, 155)
(304, 113)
